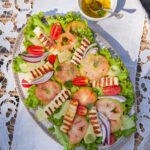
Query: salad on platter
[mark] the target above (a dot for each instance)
(79, 88)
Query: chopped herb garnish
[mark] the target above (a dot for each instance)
(98, 91)
(68, 84)
(101, 13)
(89, 106)
(51, 129)
(87, 119)
(58, 68)
(99, 140)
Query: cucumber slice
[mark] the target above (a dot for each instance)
(56, 64)
(26, 67)
(40, 115)
(115, 69)
(90, 136)
(63, 110)
(64, 56)
(127, 122)
(35, 41)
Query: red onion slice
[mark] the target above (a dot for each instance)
(33, 59)
(103, 128)
(104, 133)
(31, 55)
(89, 47)
(118, 98)
(93, 50)
(43, 79)
(106, 123)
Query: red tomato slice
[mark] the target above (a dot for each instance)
(111, 90)
(25, 85)
(52, 59)
(85, 96)
(112, 139)
(78, 130)
(56, 31)
(35, 50)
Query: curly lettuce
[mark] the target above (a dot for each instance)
(32, 101)
(69, 17)
(16, 64)
(46, 22)
(60, 136)
(91, 146)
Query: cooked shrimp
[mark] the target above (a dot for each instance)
(45, 92)
(112, 109)
(94, 66)
(67, 72)
(71, 41)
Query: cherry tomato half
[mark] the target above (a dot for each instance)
(25, 85)
(56, 31)
(52, 58)
(111, 90)
(35, 50)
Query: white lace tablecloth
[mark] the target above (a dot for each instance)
(18, 131)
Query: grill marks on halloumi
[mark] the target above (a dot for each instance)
(69, 116)
(94, 121)
(40, 71)
(44, 39)
(105, 81)
(57, 102)
(79, 52)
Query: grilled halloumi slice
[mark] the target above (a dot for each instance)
(39, 72)
(79, 52)
(44, 39)
(69, 116)
(57, 102)
(105, 81)
(94, 121)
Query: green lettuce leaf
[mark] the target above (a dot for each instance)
(128, 132)
(86, 32)
(81, 33)
(61, 137)
(69, 17)
(124, 133)
(105, 52)
(16, 64)
(55, 120)
(127, 122)
(32, 101)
